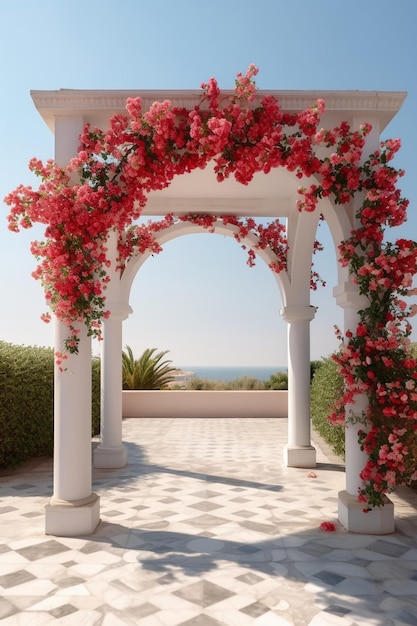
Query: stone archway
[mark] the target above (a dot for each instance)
(74, 509)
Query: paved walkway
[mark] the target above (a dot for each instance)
(205, 527)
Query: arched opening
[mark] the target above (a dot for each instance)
(204, 315)
(328, 314)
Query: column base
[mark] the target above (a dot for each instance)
(378, 521)
(72, 518)
(110, 458)
(300, 456)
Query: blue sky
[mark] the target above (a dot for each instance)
(197, 299)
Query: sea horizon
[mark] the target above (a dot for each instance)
(230, 372)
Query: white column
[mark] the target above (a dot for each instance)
(73, 509)
(355, 458)
(111, 452)
(299, 452)
(351, 513)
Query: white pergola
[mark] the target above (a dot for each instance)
(74, 508)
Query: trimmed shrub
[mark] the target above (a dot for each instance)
(314, 366)
(95, 396)
(277, 381)
(326, 387)
(27, 402)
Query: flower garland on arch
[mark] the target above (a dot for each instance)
(141, 152)
(138, 239)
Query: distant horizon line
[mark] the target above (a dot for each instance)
(233, 366)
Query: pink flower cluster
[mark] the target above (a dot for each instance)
(139, 153)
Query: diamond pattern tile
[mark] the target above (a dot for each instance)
(206, 521)
(204, 593)
(205, 527)
(388, 548)
(42, 550)
(250, 578)
(202, 620)
(16, 578)
(329, 578)
(205, 506)
(256, 609)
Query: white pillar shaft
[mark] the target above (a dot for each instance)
(111, 384)
(111, 355)
(73, 509)
(354, 457)
(299, 452)
(72, 435)
(347, 296)
(111, 452)
(299, 433)
(351, 515)
(350, 510)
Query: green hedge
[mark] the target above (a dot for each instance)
(326, 387)
(26, 402)
(277, 381)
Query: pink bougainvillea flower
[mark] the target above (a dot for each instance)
(328, 526)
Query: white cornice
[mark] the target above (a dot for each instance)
(100, 105)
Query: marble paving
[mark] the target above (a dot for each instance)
(205, 527)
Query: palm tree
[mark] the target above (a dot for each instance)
(128, 368)
(147, 372)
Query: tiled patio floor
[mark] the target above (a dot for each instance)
(205, 527)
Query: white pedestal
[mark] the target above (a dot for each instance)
(378, 521)
(110, 458)
(300, 456)
(72, 519)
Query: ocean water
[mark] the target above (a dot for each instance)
(230, 373)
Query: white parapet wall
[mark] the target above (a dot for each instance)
(202, 403)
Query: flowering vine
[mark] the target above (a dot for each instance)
(375, 358)
(140, 238)
(107, 184)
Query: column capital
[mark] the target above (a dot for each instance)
(298, 313)
(118, 311)
(347, 296)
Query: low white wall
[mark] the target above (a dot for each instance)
(205, 403)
